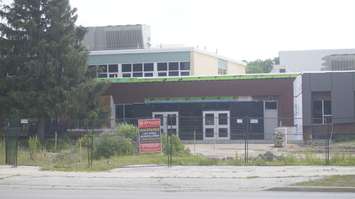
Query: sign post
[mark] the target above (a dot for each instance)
(149, 136)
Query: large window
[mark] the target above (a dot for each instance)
(321, 108)
(162, 69)
(149, 69)
(126, 70)
(184, 69)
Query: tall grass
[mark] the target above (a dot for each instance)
(2, 151)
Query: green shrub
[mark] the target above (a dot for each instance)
(107, 146)
(34, 145)
(176, 147)
(128, 131)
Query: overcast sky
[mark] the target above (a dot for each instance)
(240, 29)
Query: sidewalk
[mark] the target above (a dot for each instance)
(178, 178)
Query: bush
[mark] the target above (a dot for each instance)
(107, 146)
(34, 146)
(176, 146)
(128, 131)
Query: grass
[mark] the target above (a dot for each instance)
(331, 181)
(2, 151)
(72, 158)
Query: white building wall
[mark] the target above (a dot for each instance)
(297, 110)
(307, 60)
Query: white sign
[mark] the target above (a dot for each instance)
(254, 121)
(24, 121)
(239, 121)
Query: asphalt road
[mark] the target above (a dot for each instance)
(103, 194)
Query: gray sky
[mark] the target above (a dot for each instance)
(240, 29)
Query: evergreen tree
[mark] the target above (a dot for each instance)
(43, 63)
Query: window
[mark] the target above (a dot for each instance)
(222, 71)
(162, 66)
(148, 67)
(148, 74)
(173, 73)
(184, 73)
(148, 70)
(321, 108)
(102, 71)
(270, 105)
(222, 67)
(126, 75)
(103, 68)
(126, 67)
(137, 74)
(137, 68)
(162, 74)
(282, 70)
(113, 68)
(209, 119)
(102, 75)
(184, 68)
(173, 66)
(174, 69)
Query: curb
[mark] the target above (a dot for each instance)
(313, 189)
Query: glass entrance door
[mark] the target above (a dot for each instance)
(169, 122)
(216, 125)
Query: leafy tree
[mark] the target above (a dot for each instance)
(43, 63)
(261, 66)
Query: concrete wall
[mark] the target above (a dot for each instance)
(340, 84)
(203, 64)
(235, 69)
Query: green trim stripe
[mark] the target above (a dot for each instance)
(189, 99)
(202, 78)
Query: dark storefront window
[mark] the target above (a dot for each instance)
(321, 108)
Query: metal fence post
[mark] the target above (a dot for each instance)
(246, 141)
(327, 161)
(194, 142)
(90, 149)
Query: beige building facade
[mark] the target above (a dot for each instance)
(162, 62)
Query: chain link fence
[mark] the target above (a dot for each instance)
(218, 137)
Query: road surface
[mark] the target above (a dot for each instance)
(108, 194)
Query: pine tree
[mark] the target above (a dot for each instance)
(43, 63)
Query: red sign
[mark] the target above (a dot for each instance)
(149, 123)
(149, 136)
